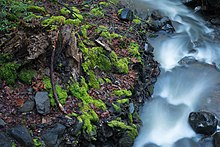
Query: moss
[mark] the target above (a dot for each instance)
(105, 4)
(136, 21)
(75, 22)
(107, 80)
(134, 51)
(119, 11)
(37, 9)
(116, 107)
(113, 57)
(64, 11)
(123, 92)
(37, 142)
(97, 12)
(53, 21)
(26, 75)
(5, 57)
(122, 65)
(9, 72)
(131, 130)
(104, 32)
(93, 82)
(84, 29)
(123, 101)
(75, 10)
(62, 94)
(32, 16)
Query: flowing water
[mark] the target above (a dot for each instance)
(181, 88)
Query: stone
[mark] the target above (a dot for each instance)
(77, 128)
(203, 122)
(42, 102)
(53, 136)
(5, 140)
(125, 141)
(216, 139)
(2, 123)
(187, 60)
(150, 145)
(28, 106)
(22, 135)
(126, 14)
(185, 142)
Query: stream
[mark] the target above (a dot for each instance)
(189, 80)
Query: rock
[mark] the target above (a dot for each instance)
(216, 139)
(203, 122)
(214, 3)
(22, 135)
(5, 140)
(131, 108)
(215, 21)
(185, 142)
(42, 102)
(28, 106)
(2, 123)
(187, 60)
(106, 131)
(52, 137)
(126, 14)
(150, 145)
(77, 128)
(125, 141)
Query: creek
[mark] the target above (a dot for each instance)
(189, 79)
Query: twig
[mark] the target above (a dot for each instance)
(52, 75)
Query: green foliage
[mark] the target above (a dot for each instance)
(103, 31)
(9, 72)
(123, 101)
(97, 12)
(123, 92)
(107, 80)
(131, 130)
(136, 21)
(64, 11)
(93, 82)
(122, 65)
(37, 9)
(61, 93)
(105, 4)
(134, 50)
(116, 107)
(75, 22)
(26, 75)
(37, 142)
(5, 57)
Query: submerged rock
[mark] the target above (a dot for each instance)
(203, 122)
(42, 102)
(216, 139)
(22, 135)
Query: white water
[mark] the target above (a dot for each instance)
(179, 89)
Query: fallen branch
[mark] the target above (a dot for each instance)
(52, 75)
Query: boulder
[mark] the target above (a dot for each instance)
(216, 139)
(42, 102)
(126, 14)
(5, 140)
(203, 122)
(22, 135)
(53, 136)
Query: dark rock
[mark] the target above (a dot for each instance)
(76, 129)
(150, 145)
(53, 137)
(106, 131)
(214, 3)
(42, 102)
(203, 122)
(185, 142)
(125, 141)
(2, 123)
(5, 140)
(216, 139)
(126, 14)
(187, 60)
(156, 15)
(22, 135)
(215, 21)
(28, 106)
(206, 142)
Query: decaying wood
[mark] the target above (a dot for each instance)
(52, 74)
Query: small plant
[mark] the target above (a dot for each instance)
(97, 12)
(26, 75)
(123, 92)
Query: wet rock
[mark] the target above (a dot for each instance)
(76, 129)
(185, 142)
(42, 102)
(215, 21)
(131, 108)
(28, 106)
(187, 60)
(106, 131)
(53, 137)
(150, 145)
(22, 135)
(5, 140)
(2, 123)
(203, 122)
(214, 3)
(216, 139)
(125, 141)
(126, 14)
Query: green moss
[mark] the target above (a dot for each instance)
(75, 10)
(9, 72)
(122, 65)
(105, 4)
(31, 16)
(103, 31)
(119, 11)
(37, 9)
(37, 142)
(116, 107)
(75, 22)
(26, 75)
(113, 57)
(53, 21)
(134, 51)
(93, 82)
(123, 101)
(131, 130)
(97, 12)
(107, 80)
(123, 92)
(62, 94)
(64, 11)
